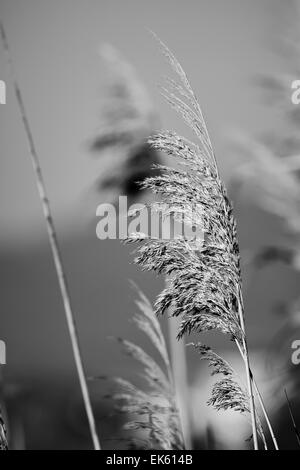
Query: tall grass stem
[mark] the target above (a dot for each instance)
(179, 369)
(249, 381)
(54, 247)
(261, 402)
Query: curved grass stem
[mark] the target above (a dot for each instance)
(249, 381)
(261, 402)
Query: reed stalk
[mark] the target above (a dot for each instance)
(60, 271)
(180, 376)
(205, 276)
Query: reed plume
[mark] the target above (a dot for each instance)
(205, 287)
(227, 393)
(152, 411)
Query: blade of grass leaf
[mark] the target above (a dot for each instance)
(292, 418)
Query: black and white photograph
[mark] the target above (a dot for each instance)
(150, 228)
